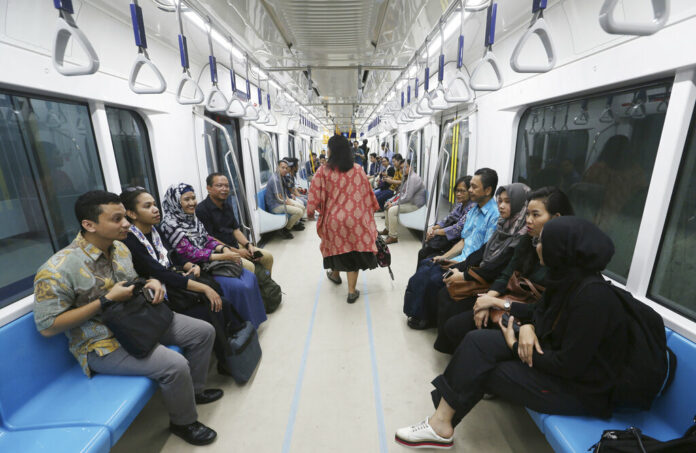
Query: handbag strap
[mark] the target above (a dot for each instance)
(532, 287)
(476, 277)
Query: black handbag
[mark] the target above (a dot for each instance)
(137, 324)
(181, 299)
(242, 347)
(632, 440)
(223, 268)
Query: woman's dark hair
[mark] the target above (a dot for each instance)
(464, 179)
(88, 206)
(129, 198)
(341, 157)
(554, 199)
(556, 202)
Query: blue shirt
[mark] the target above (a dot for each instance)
(480, 224)
(275, 192)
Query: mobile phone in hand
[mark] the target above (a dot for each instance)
(448, 273)
(149, 294)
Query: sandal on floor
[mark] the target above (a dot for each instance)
(422, 435)
(336, 280)
(353, 297)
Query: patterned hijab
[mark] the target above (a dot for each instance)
(176, 224)
(510, 230)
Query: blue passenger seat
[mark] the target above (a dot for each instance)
(670, 416)
(267, 220)
(93, 439)
(45, 391)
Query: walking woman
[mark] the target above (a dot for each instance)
(187, 235)
(342, 195)
(562, 362)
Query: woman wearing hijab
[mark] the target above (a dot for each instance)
(457, 318)
(187, 235)
(512, 201)
(565, 356)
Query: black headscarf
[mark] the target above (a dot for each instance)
(573, 249)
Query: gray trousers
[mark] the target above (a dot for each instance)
(180, 377)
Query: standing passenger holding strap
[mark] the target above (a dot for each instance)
(342, 195)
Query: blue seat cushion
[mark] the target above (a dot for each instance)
(538, 418)
(92, 439)
(261, 197)
(74, 399)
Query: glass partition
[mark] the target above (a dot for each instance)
(456, 142)
(265, 153)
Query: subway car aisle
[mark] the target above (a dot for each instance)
(335, 377)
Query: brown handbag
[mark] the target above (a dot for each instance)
(462, 289)
(519, 289)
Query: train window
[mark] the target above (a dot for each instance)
(456, 143)
(132, 149)
(266, 163)
(600, 150)
(291, 143)
(414, 151)
(49, 158)
(676, 262)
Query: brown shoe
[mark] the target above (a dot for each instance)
(391, 240)
(384, 232)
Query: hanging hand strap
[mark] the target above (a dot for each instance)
(186, 76)
(537, 27)
(489, 56)
(66, 27)
(143, 59)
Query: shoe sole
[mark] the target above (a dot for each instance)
(424, 444)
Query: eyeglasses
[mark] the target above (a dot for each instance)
(221, 186)
(133, 189)
(461, 191)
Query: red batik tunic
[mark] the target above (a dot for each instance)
(346, 204)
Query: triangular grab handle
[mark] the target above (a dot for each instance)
(436, 99)
(236, 108)
(488, 57)
(65, 29)
(610, 25)
(141, 61)
(477, 7)
(540, 29)
(458, 99)
(216, 101)
(198, 96)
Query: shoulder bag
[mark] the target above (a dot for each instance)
(462, 289)
(519, 289)
(223, 268)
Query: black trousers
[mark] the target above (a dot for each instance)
(455, 318)
(483, 363)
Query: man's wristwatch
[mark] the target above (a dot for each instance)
(105, 302)
(506, 305)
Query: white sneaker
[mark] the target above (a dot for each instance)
(422, 435)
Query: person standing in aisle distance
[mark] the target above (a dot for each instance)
(342, 195)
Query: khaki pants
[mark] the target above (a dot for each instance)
(294, 211)
(266, 261)
(390, 221)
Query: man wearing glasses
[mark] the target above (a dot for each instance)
(220, 221)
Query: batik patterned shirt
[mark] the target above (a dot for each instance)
(74, 277)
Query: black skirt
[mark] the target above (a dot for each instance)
(351, 261)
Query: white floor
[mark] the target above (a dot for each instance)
(335, 377)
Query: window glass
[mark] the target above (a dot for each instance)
(48, 159)
(291, 144)
(414, 151)
(675, 268)
(266, 160)
(132, 150)
(456, 143)
(600, 150)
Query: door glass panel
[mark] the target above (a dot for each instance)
(600, 150)
(266, 164)
(456, 143)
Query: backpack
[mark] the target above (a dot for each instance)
(649, 366)
(270, 290)
(383, 255)
(632, 440)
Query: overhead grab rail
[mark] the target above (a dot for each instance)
(436, 98)
(66, 27)
(422, 107)
(537, 27)
(488, 56)
(216, 101)
(186, 78)
(143, 59)
(459, 75)
(614, 27)
(236, 107)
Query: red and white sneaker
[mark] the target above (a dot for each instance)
(422, 435)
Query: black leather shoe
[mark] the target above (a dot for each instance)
(417, 323)
(285, 234)
(298, 227)
(196, 433)
(208, 396)
(352, 297)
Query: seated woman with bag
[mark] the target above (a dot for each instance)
(564, 361)
(189, 293)
(520, 282)
(431, 277)
(187, 235)
(444, 234)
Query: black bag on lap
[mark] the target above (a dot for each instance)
(136, 323)
(242, 348)
(632, 440)
(223, 268)
(181, 299)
